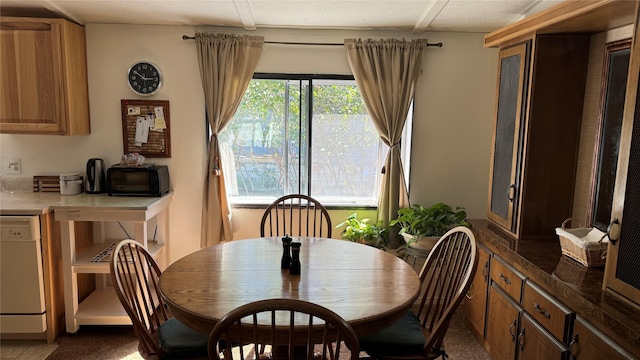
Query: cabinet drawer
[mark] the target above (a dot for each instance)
(508, 278)
(588, 343)
(547, 311)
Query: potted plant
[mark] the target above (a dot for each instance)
(418, 223)
(360, 230)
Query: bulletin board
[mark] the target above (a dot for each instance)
(145, 127)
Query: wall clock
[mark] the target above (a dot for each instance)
(145, 78)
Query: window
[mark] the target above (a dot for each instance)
(307, 134)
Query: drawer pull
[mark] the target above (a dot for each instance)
(539, 309)
(505, 279)
(485, 271)
(574, 341)
(513, 336)
(520, 338)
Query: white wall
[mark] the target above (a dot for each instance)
(452, 131)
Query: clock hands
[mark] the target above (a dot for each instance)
(143, 78)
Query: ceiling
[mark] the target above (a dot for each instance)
(406, 15)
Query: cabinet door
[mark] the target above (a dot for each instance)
(622, 272)
(502, 324)
(512, 82)
(475, 305)
(44, 77)
(590, 344)
(535, 343)
(31, 69)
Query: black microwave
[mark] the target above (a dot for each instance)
(145, 180)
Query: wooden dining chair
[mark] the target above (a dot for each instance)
(135, 276)
(291, 328)
(296, 215)
(446, 277)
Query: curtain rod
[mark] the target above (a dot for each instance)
(185, 37)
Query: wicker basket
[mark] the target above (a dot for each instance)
(587, 246)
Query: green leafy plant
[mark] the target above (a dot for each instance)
(360, 230)
(435, 220)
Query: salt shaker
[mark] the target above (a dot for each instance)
(286, 252)
(294, 268)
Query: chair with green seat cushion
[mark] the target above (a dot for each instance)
(292, 328)
(135, 276)
(446, 277)
(179, 341)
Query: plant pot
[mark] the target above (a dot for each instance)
(423, 244)
(373, 243)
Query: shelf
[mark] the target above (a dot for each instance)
(102, 307)
(83, 263)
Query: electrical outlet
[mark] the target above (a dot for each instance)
(12, 166)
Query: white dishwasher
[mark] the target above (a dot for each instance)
(22, 304)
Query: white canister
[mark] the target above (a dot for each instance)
(70, 184)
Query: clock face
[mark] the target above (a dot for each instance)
(145, 78)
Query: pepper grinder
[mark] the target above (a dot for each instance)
(286, 252)
(294, 268)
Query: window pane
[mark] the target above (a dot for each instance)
(345, 144)
(276, 145)
(254, 148)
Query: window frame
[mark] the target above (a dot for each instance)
(259, 202)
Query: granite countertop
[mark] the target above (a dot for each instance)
(35, 203)
(576, 286)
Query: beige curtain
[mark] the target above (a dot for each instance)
(227, 63)
(386, 72)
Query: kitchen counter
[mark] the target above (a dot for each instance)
(34, 203)
(576, 286)
(27, 203)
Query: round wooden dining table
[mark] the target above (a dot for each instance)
(368, 287)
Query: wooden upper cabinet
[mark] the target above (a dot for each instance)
(540, 99)
(513, 65)
(43, 67)
(622, 272)
(539, 113)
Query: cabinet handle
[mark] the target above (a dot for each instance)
(485, 271)
(539, 309)
(574, 341)
(613, 235)
(520, 338)
(509, 195)
(505, 279)
(513, 336)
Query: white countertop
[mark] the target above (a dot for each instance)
(35, 203)
(27, 203)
